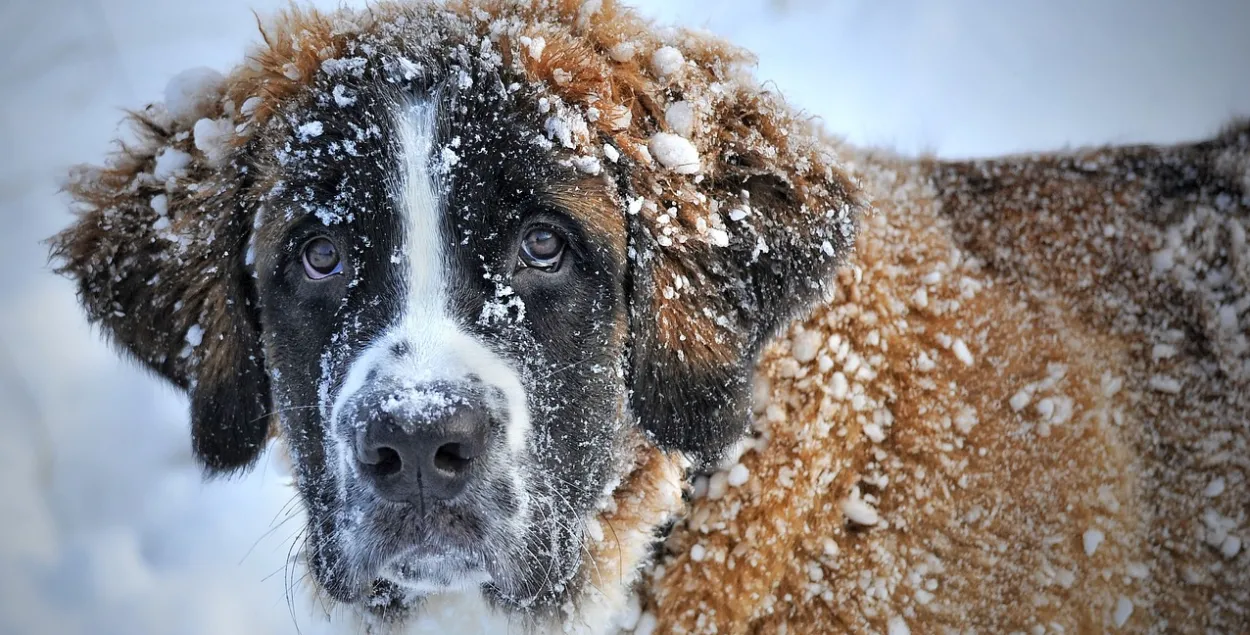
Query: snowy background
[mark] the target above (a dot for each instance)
(105, 526)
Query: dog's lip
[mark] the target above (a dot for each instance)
(394, 544)
(433, 570)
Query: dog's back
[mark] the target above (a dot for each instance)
(1023, 408)
(1026, 409)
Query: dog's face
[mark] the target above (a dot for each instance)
(441, 264)
(443, 314)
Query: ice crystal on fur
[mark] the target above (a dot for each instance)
(213, 137)
(675, 153)
(192, 94)
(1024, 359)
(941, 414)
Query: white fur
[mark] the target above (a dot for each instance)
(466, 612)
(439, 350)
(421, 201)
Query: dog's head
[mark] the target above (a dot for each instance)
(471, 264)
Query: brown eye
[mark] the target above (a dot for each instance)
(541, 249)
(321, 259)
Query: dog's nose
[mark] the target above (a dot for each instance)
(407, 454)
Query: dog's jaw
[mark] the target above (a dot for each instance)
(620, 538)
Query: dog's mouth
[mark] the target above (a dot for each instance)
(363, 543)
(436, 549)
(391, 556)
(426, 571)
(352, 563)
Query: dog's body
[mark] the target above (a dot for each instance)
(1035, 374)
(499, 274)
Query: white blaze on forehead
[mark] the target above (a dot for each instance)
(420, 202)
(438, 348)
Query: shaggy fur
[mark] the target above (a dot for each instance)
(1052, 355)
(1022, 406)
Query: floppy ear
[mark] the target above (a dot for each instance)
(721, 263)
(158, 255)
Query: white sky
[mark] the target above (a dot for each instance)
(105, 527)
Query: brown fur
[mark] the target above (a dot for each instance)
(982, 508)
(593, 206)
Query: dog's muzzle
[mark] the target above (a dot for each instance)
(423, 443)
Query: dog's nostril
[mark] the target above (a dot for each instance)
(421, 453)
(388, 463)
(451, 457)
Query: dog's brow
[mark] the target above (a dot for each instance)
(588, 201)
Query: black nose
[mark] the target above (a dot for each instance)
(408, 455)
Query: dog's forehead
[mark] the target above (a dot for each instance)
(335, 151)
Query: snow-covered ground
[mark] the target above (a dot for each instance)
(105, 526)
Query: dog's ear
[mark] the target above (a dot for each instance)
(738, 210)
(721, 261)
(158, 253)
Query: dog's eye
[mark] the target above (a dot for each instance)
(542, 249)
(321, 258)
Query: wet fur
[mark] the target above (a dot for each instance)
(982, 507)
(1046, 269)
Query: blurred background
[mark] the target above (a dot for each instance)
(105, 525)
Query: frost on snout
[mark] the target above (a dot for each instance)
(412, 442)
(428, 483)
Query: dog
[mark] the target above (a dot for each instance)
(567, 325)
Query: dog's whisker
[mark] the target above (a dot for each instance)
(269, 532)
(564, 369)
(283, 410)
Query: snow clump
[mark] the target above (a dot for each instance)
(192, 93)
(674, 152)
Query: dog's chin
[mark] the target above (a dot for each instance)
(397, 559)
(426, 572)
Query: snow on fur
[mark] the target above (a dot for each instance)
(564, 56)
(902, 461)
